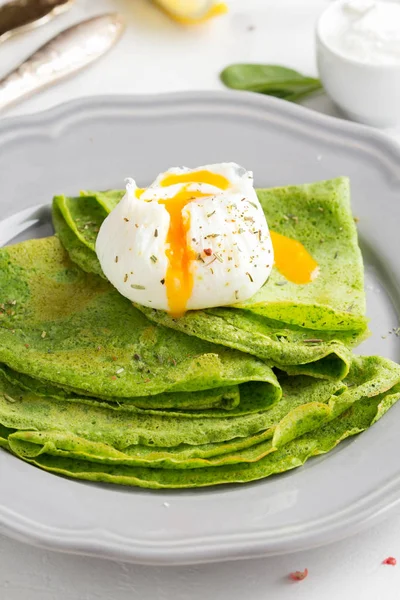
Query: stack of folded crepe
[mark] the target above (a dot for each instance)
(95, 388)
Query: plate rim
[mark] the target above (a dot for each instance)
(84, 106)
(102, 543)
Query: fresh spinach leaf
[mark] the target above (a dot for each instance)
(272, 80)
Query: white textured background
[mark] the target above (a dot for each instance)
(156, 55)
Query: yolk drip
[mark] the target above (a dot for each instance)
(214, 179)
(292, 260)
(179, 276)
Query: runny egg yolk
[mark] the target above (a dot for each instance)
(214, 179)
(292, 259)
(179, 277)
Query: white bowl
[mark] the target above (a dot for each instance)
(367, 93)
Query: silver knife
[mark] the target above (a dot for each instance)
(21, 15)
(68, 52)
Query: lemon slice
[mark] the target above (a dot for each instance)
(191, 12)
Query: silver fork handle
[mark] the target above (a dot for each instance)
(68, 52)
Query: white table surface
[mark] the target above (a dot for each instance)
(155, 55)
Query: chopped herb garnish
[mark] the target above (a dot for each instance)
(126, 277)
(136, 286)
(218, 257)
(8, 398)
(336, 255)
(212, 235)
(250, 277)
(211, 214)
(116, 259)
(162, 281)
(241, 230)
(237, 294)
(156, 233)
(126, 219)
(153, 258)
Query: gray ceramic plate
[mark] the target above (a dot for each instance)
(95, 144)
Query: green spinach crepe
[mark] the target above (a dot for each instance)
(95, 388)
(113, 444)
(357, 419)
(61, 325)
(304, 329)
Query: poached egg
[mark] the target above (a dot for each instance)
(194, 239)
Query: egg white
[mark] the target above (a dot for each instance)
(229, 224)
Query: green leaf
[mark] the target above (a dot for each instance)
(272, 80)
(304, 92)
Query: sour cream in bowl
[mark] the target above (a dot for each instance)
(358, 55)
